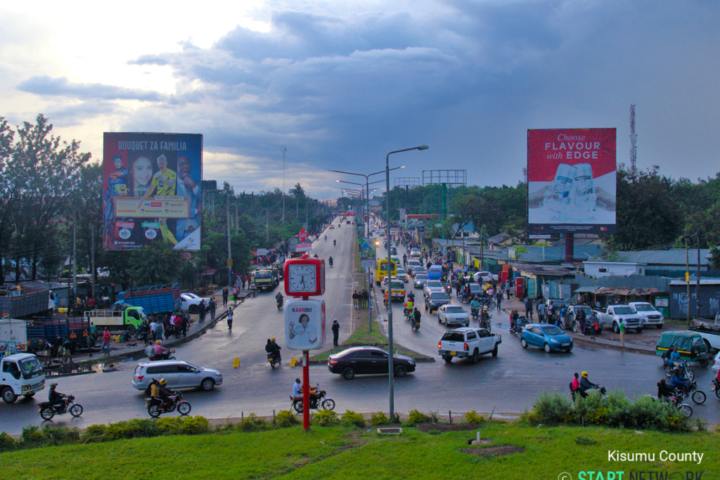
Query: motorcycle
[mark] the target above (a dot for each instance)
(280, 304)
(48, 410)
(697, 396)
(415, 325)
(407, 313)
(155, 407)
(274, 360)
(684, 370)
(318, 401)
(475, 313)
(516, 328)
(677, 401)
(716, 387)
(165, 356)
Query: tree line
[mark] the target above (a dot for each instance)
(48, 185)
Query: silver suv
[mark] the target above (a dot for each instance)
(178, 374)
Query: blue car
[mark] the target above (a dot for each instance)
(548, 337)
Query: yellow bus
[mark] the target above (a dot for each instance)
(381, 269)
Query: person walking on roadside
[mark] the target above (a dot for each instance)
(229, 318)
(356, 299)
(581, 322)
(498, 297)
(201, 311)
(106, 342)
(507, 289)
(336, 332)
(528, 308)
(225, 296)
(541, 312)
(212, 306)
(184, 325)
(621, 328)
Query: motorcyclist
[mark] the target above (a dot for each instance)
(161, 353)
(316, 256)
(664, 392)
(475, 307)
(273, 349)
(485, 316)
(279, 298)
(416, 316)
(408, 307)
(585, 385)
(675, 356)
(334, 242)
(678, 381)
(330, 261)
(57, 399)
(165, 394)
(411, 296)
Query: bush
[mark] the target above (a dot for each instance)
(93, 433)
(351, 418)
(285, 418)
(134, 428)
(7, 442)
(473, 417)
(252, 423)
(326, 418)
(378, 418)
(61, 435)
(529, 418)
(416, 416)
(193, 425)
(31, 435)
(553, 408)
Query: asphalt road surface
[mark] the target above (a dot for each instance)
(508, 383)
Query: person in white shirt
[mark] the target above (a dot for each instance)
(297, 389)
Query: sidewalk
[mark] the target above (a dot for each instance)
(135, 349)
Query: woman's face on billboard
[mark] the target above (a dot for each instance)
(142, 171)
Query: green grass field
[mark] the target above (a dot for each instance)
(347, 452)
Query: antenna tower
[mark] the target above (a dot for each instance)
(633, 139)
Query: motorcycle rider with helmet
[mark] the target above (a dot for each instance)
(679, 382)
(408, 308)
(279, 299)
(475, 307)
(416, 316)
(57, 399)
(164, 393)
(161, 353)
(485, 317)
(273, 349)
(585, 385)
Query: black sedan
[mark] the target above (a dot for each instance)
(436, 300)
(368, 360)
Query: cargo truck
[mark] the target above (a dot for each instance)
(153, 299)
(33, 335)
(124, 318)
(22, 302)
(20, 374)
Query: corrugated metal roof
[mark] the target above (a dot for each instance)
(675, 256)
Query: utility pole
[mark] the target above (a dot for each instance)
(482, 246)
(697, 284)
(92, 261)
(267, 225)
(237, 223)
(74, 256)
(284, 149)
(686, 239)
(229, 259)
(633, 139)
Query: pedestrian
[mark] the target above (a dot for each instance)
(575, 385)
(356, 299)
(225, 296)
(366, 299)
(159, 331)
(336, 332)
(528, 308)
(212, 306)
(621, 327)
(184, 324)
(229, 318)
(106, 342)
(177, 325)
(594, 327)
(581, 321)
(507, 289)
(499, 296)
(541, 312)
(201, 311)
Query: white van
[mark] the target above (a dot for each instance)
(20, 374)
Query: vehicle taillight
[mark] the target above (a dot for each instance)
(140, 377)
(439, 344)
(466, 347)
(332, 362)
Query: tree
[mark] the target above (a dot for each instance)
(155, 264)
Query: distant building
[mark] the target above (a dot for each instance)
(600, 269)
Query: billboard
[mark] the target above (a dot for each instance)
(152, 190)
(571, 180)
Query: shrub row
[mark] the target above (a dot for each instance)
(615, 410)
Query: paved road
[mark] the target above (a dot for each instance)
(508, 383)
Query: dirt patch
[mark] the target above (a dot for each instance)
(498, 451)
(447, 427)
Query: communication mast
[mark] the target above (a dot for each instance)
(633, 139)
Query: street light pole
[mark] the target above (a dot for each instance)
(391, 368)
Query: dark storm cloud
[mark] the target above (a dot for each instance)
(45, 85)
(467, 78)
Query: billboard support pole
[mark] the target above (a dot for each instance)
(306, 390)
(697, 283)
(569, 247)
(227, 211)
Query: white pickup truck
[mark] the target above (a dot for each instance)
(468, 342)
(651, 316)
(709, 330)
(614, 313)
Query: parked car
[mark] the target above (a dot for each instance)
(433, 286)
(548, 337)
(420, 281)
(368, 360)
(191, 302)
(468, 343)
(436, 300)
(453, 315)
(179, 374)
(651, 316)
(614, 313)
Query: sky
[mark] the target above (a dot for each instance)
(342, 83)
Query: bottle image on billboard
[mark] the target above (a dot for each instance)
(557, 197)
(583, 196)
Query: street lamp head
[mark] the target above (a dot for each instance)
(423, 147)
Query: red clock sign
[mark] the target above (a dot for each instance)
(303, 235)
(304, 277)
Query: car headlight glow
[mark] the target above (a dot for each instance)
(553, 340)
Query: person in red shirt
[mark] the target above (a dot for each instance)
(106, 342)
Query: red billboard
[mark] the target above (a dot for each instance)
(571, 180)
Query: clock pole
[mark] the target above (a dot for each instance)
(306, 387)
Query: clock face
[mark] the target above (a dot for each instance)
(302, 278)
